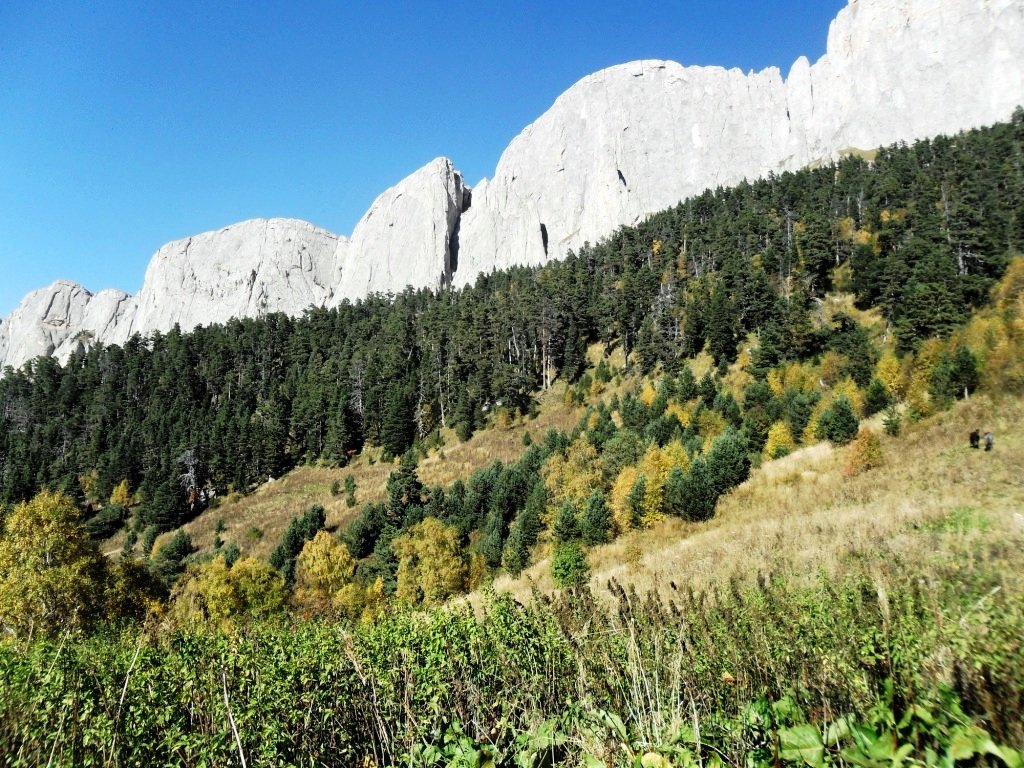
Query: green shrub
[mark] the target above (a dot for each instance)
(570, 568)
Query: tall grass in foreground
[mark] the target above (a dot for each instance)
(759, 674)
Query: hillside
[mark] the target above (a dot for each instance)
(271, 506)
(817, 620)
(933, 507)
(700, 494)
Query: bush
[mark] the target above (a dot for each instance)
(838, 423)
(570, 568)
(865, 453)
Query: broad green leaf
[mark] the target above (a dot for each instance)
(838, 731)
(802, 743)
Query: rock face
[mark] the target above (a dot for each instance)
(634, 139)
(618, 145)
(244, 270)
(408, 237)
(56, 319)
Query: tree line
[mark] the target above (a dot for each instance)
(920, 232)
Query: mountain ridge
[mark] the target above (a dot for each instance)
(618, 145)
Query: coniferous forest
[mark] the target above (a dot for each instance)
(729, 331)
(921, 231)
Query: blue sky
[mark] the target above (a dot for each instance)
(124, 125)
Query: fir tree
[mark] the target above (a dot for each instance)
(569, 566)
(838, 423)
(566, 525)
(596, 523)
(727, 462)
(876, 398)
(698, 493)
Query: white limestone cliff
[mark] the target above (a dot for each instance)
(407, 236)
(54, 320)
(244, 270)
(617, 146)
(634, 139)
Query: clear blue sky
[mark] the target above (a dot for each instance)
(124, 125)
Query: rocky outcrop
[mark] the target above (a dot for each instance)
(408, 237)
(617, 146)
(245, 270)
(634, 139)
(55, 320)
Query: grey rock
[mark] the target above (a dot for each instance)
(617, 146)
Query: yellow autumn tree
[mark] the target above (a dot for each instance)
(52, 577)
(324, 578)
(999, 333)
(679, 411)
(864, 453)
(919, 398)
(121, 496)
(431, 564)
(648, 393)
(654, 466)
(619, 499)
(848, 388)
(710, 424)
(89, 483)
(810, 433)
(889, 372)
(374, 601)
(573, 477)
(223, 595)
(831, 366)
(677, 456)
(780, 441)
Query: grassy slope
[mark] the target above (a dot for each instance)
(936, 506)
(273, 504)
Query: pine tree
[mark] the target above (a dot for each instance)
(698, 493)
(839, 422)
(596, 523)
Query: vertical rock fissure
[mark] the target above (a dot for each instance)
(451, 262)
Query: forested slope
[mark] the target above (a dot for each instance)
(920, 232)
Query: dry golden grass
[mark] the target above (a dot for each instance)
(800, 516)
(271, 506)
(457, 461)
